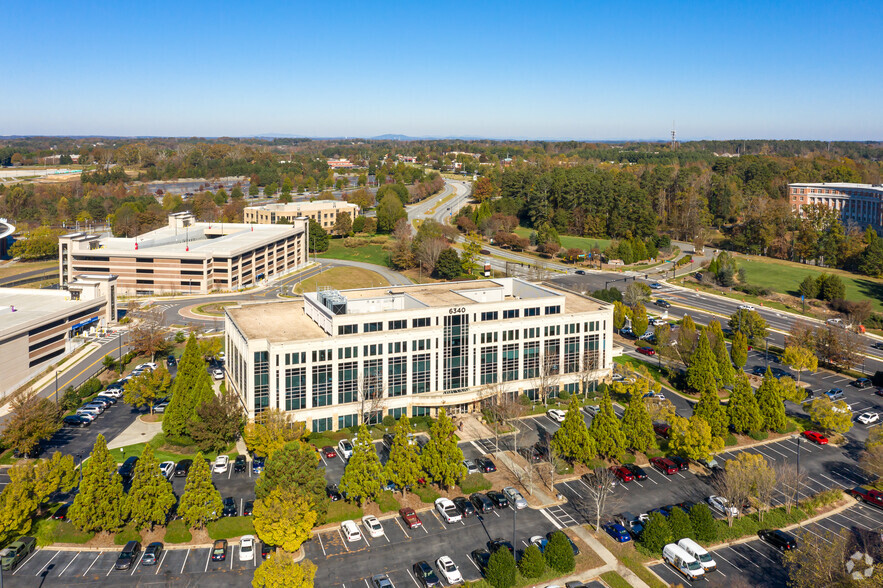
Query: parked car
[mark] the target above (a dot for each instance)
(656, 286)
(758, 370)
(633, 524)
(835, 394)
(16, 551)
(657, 396)
(167, 468)
(239, 464)
(499, 543)
(471, 466)
(515, 497)
(556, 414)
(481, 503)
(861, 383)
(350, 531)
(425, 575)
(229, 509)
(128, 468)
(221, 463)
(637, 471)
(682, 462)
(449, 570)
(481, 557)
(486, 465)
(345, 448)
(778, 539)
(664, 465)
(60, 513)
(332, 493)
(815, 437)
(593, 409)
(171, 361)
(329, 452)
(219, 550)
(152, 554)
(267, 550)
(464, 506)
(257, 464)
(161, 407)
(248, 508)
(246, 548)
(868, 495)
(448, 510)
(649, 351)
(779, 373)
(218, 374)
(77, 421)
(128, 555)
(722, 506)
(372, 525)
(619, 533)
(183, 467)
(410, 517)
(381, 581)
(622, 473)
(867, 418)
(497, 497)
(657, 322)
(662, 429)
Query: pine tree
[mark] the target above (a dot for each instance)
(709, 408)
(501, 569)
(442, 458)
(294, 467)
(769, 403)
(201, 501)
(403, 466)
(532, 564)
(606, 429)
(100, 504)
(704, 525)
(639, 320)
(702, 375)
(191, 388)
(361, 478)
(284, 518)
(572, 440)
(724, 364)
(559, 553)
(637, 425)
(742, 409)
(657, 533)
(739, 350)
(687, 339)
(679, 524)
(151, 496)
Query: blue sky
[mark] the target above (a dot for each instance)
(582, 70)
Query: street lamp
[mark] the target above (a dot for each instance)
(56, 387)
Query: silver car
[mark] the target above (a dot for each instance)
(471, 466)
(515, 497)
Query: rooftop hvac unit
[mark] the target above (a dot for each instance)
(332, 300)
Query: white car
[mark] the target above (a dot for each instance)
(93, 410)
(471, 466)
(146, 366)
(866, 418)
(746, 307)
(221, 464)
(345, 448)
(556, 415)
(375, 529)
(246, 548)
(721, 505)
(448, 569)
(616, 377)
(167, 468)
(112, 393)
(658, 322)
(218, 374)
(593, 409)
(448, 510)
(350, 531)
(515, 497)
(221, 355)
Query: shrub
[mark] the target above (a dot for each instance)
(657, 533)
(559, 553)
(501, 569)
(532, 564)
(703, 523)
(730, 440)
(352, 242)
(680, 524)
(758, 435)
(388, 421)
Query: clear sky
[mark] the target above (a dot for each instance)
(581, 70)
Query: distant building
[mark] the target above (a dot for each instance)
(323, 212)
(186, 256)
(340, 163)
(858, 204)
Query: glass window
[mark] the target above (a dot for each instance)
(397, 370)
(322, 385)
(396, 325)
(532, 311)
(295, 388)
(420, 322)
(322, 425)
(347, 382)
(261, 381)
(510, 362)
(510, 314)
(488, 365)
(420, 374)
(553, 309)
(372, 327)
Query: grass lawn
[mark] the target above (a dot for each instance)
(785, 276)
(48, 531)
(227, 527)
(614, 580)
(128, 533)
(342, 278)
(426, 493)
(475, 483)
(21, 267)
(568, 241)
(161, 453)
(177, 532)
(367, 252)
(341, 511)
(387, 502)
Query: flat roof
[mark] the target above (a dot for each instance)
(848, 185)
(33, 304)
(276, 321)
(297, 205)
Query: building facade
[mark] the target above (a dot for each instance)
(323, 212)
(333, 356)
(187, 256)
(858, 204)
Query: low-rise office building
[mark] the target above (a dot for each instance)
(187, 256)
(38, 326)
(323, 212)
(335, 355)
(858, 204)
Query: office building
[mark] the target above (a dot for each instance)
(323, 212)
(858, 204)
(334, 355)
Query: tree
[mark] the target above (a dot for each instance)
(201, 501)
(294, 468)
(693, 438)
(253, 189)
(501, 569)
(32, 420)
(471, 251)
(742, 409)
(819, 560)
(532, 565)
(606, 429)
(656, 533)
(343, 224)
(596, 500)
(111, 364)
(483, 189)
(271, 430)
(709, 408)
(639, 319)
(687, 339)
(147, 335)
(620, 313)
(219, 422)
(448, 265)
(636, 293)
(100, 503)
(831, 416)
(284, 518)
(788, 483)
(191, 388)
(402, 254)
(702, 375)
(809, 287)
(724, 365)
(559, 553)
(763, 485)
(739, 350)
(830, 287)
(679, 524)
(637, 425)
(704, 525)
(403, 466)
(41, 243)
(389, 211)
(769, 402)
(572, 440)
(144, 390)
(31, 483)
(318, 237)
(361, 480)
(151, 496)
(750, 323)
(800, 358)
(280, 571)
(442, 458)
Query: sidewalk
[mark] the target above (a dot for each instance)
(137, 432)
(471, 428)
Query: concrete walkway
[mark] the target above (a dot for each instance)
(138, 432)
(470, 428)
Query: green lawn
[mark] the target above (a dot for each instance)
(177, 532)
(568, 241)
(341, 511)
(367, 252)
(120, 454)
(227, 527)
(785, 277)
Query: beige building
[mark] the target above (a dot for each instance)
(38, 327)
(857, 204)
(187, 256)
(323, 212)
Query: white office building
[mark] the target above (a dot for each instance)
(334, 355)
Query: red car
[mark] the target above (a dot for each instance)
(873, 497)
(411, 518)
(329, 451)
(664, 465)
(661, 429)
(647, 351)
(816, 437)
(622, 473)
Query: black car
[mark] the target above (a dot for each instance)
(128, 555)
(758, 370)
(183, 467)
(128, 468)
(388, 439)
(663, 303)
(219, 550)
(499, 543)
(481, 502)
(682, 462)
(778, 539)
(486, 465)
(171, 361)
(426, 575)
(239, 464)
(481, 557)
(267, 550)
(780, 373)
(530, 454)
(60, 513)
(636, 470)
(152, 554)
(572, 544)
(464, 506)
(230, 509)
(877, 345)
(76, 421)
(248, 508)
(332, 493)
(499, 500)
(861, 383)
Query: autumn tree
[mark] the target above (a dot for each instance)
(281, 571)
(800, 358)
(818, 560)
(483, 189)
(144, 390)
(693, 438)
(830, 416)
(31, 484)
(147, 336)
(219, 422)
(640, 321)
(442, 458)
(150, 497)
(32, 420)
(100, 504)
(749, 323)
(271, 430)
(284, 518)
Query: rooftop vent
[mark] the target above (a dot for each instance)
(332, 299)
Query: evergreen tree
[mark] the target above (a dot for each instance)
(704, 525)
(809, 287)
(702, 375)
(679, 524)
(284, 518)
(606, 429)
(448, 266)
(640, 322)
(403, 466)
(769, 403)
(318, 237)
(724, 364)
(201, 501)
(687, 339)
(657, 533)
(871, 260)
(559, 553)
(295, 468)
(151, 496)
(192, 387)
(100, 503)
(637, 425)
(532, 564)
(361, 478)
(709, 408)
(572, 440)
(742, 409)
(442, 458)
(739, 350)
(501, 569)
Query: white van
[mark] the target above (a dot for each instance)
(682, 561)
(697, 551)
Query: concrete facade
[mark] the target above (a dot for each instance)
(858, 204)
(323, 212)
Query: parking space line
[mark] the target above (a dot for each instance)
(816, 534)
(343, 540)
(427, 532)
(185, 560)
(862, 513)
(475, 565)
(745, 558)
(208, 559)
(365, 537)
(112, 566)
(551, 520)
(718, 554)
(137, 564)
(436, 517)
(232, 556)
(76, 555)
(319, 535)
(92, 564)
(46, 565)
(413, 579)
(402, 528)
(161, 560)
(26, 561)
(748, 545)
(773, 457)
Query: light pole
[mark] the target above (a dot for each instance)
(56, 387)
